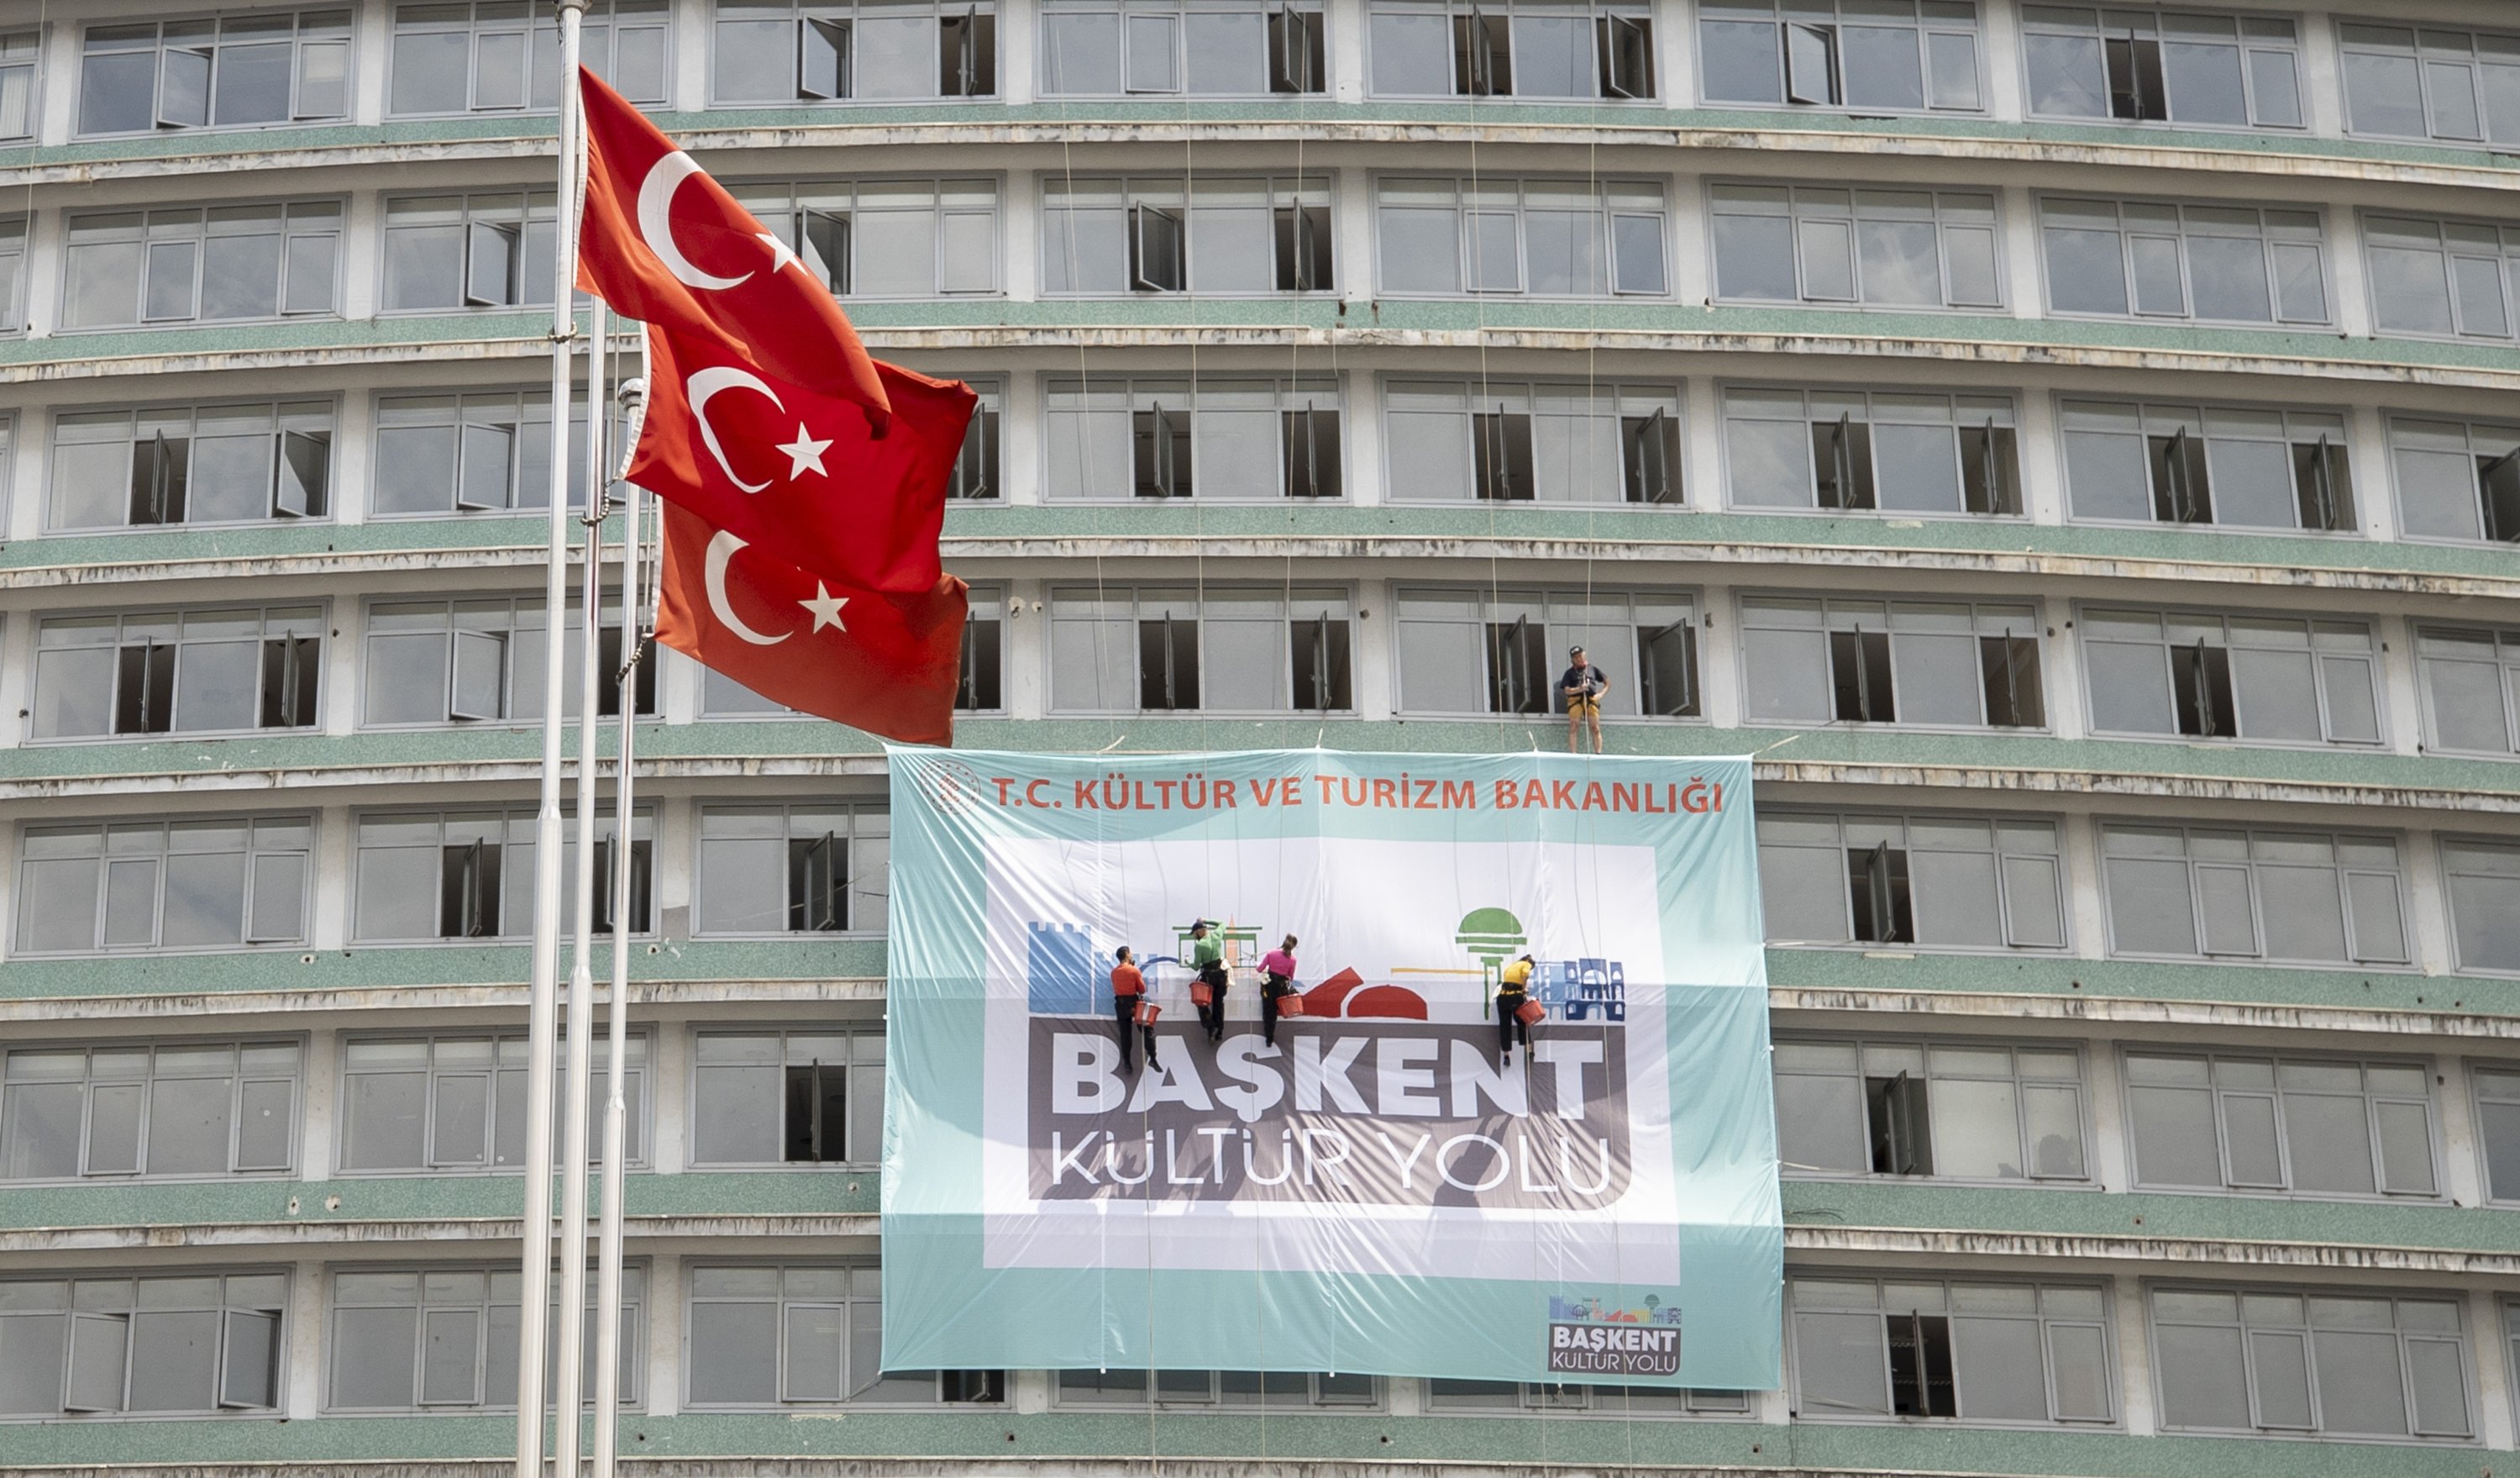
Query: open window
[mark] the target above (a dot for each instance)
(1158, 259)
(1482, 54)
(493, 250)
(1169, 663)
(1901, 1130)
(1667, 669)
(249, 1360)
(2182, 487)
(184, 87)
(1990, 469)
(827, 247)
(485, 474)
(144, 689)
(1302, 247)
(478, 687)
(1878, 884)
(2497, 483)
(1920, 1364)
(817, 1112)
(161, 473)
(1319, 647)
(822, 58)
(2136, 87)
(1295, 51)
(2009, 667)
(99, 1361)
(1518, 673)
(977, 687)
(1312, 451)
(1624, 53)
(1160, 447)
(975, 465)
(818, 897)
(1501, 455)
(292, 668)
(2323, 482)
(1650, 457)
(1859, 669)
(1842, 463)
(1812, 72)
(2200, 684)
(967, 54)
(468, 883)
(301, 474)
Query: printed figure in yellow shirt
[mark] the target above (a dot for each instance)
(1513, 987)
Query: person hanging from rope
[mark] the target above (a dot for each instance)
(1207, 958)
(1277, 983)
(1514, 993)
(1583, 687)
(1128, 997)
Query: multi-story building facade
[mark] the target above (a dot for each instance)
(2075, 451)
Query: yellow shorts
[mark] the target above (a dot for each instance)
(1583, 708)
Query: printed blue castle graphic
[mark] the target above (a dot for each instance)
(1599, 1311)
(1574, 989)
(1061, 977)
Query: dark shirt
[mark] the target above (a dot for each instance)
(1586, 679)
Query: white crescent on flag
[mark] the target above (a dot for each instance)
(705, 383)
(657, 225)
(722, 549)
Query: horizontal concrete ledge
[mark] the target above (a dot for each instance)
(2134, 1011)
(452, 1229)
(992, 1466)
(2224, 1252)
(463, 996)
(229, 361)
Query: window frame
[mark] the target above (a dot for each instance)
(1090, 395)
(1493, 602)
(1175, 199)
(2011, 420)
(322, 617)
(2349, 47)
(2468, 1390)
(2146, 408)
(1993, 820)
(2368, 221)
(16, 260)
(349, 42)
(2436, 1131)
(239, 1075)
(23, 51)
(2505, 642)
(1268, 11)
(2164, 615)
(249, 821)
(536, 215)
(853, 806)
(687, 1365)
(1828, 602)
(2256, 898)
(2442, 843)
(524, 400)
(1609, 210)
(754, 195)
(1286, 599)
(2106, 1323)
(640, 1062)
(2127, 234)
(2085, 1107)
(1694, 1402)
(280, 413)
(845, 12)
(1597, 14)
(854, 1029)
(635, 1326)
(2300, 51)
(1154, 1398)
(220, 1410)
(599, 15)
(286, 205)
(1669, 398)
(509, 820)
(1853, 219)
(1786, 103)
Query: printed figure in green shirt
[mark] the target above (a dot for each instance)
(1207, 958)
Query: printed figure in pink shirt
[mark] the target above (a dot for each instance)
(1278, 973)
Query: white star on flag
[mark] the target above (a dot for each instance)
(826, 607)
(805, 452)
(781, 253)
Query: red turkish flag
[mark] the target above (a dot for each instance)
(882, 662)
(664, 242)
(800, 472)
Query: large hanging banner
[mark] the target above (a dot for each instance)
(1383, 1188)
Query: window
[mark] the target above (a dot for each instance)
(2205, 263)
(1966, 1110)
(1517, 49)
(146, 269)
(444, 1339)
(1157, 234)
(978, 469)
(456, 1104)
(210, 464)
(1806, 660)
(2247, 468)
(1865, 1348)
(808, 869)
(1839, 450)
(1275, 1390)
(2498, 1128)
(2198, 891)
(227, 73)
(1945, 881)
(1218, 650)
(201, 1343)
(788, 51)
(2469, 677)
(1876, 247)
(982, 688)
(805, 1335)
(887, 238)
(160, 885)
(191, 1108)
(2216, 72)
(187, 671)
(21, 54)
(2457, 480)
(2439, 278)
(2256, 679)
(495, 55)
(1244, 441)
(1869, 56)
(470, 874)
(1454, 441)
(12, 259)
(468, 252)
(812, 1097)
(2259, 1358)
(480, 661)
(1502, 651)
(477, 452)
(1541, 238)
(2199, 1121)
(2484, 883)
(2457, 86)
(1615, 1400)
(1241, 48)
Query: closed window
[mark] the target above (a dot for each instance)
(487, 451)
(2205, 892)
(1507, 441)
(1866, 56)
(2470, 681)
(1949, 882)
(1244, 441)
(1097, 48)
(2216, 72)
(1847, 451)
(2457, 480)
(468, 252)
(2259, 1359)
(2189, 464)
(1505, 651)
(802, 1098)
(805, 1335)
(20, 53)
(480, 661)
(2220, 1122)
(2254, 678)
(1164, 234)
(470, 875)
(1878, 247)
(456, 1104)
(808, 869)
(2197, 264)
(228, 72)
(205, 884)
(1206, 1390)
(495, 55)
(210, 464)
(1970, 1111)
(1512, 49)
(444, 1339)
(1539, 238)
(148, 268)
(2482, 879)
(1806, 660)
(178, 672)
(920, 238)
(2458, 86)
(12, 262)
(1217, 650)
(791, 50)
(2441, 278)
(2498, 1128)
(125, 1110)
(979, 689)
(1613, 1401)
(1911, 1347)
(205, 1344)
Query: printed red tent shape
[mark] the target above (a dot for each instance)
(1339, 996)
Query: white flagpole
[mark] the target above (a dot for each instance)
(608, 1274)
(532, 1321)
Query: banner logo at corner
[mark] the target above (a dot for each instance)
(1587, 1337)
